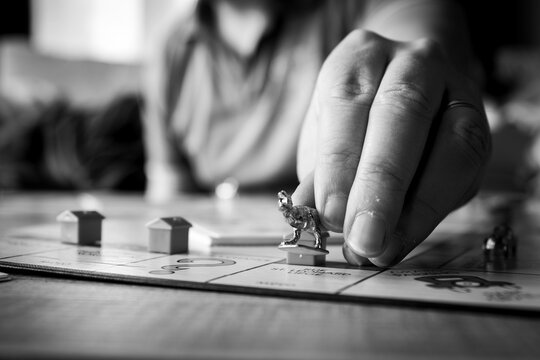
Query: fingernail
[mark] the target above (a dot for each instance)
(367, 235)
(352, 258)
(334, 213)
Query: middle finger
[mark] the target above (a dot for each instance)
(399, 123)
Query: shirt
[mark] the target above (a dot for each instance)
(210, 116)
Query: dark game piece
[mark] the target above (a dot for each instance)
(501, 244)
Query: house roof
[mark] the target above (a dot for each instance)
(169, 223)
(76, 215)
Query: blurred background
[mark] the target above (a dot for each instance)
(77, 44)
(70, 91)
(72, 69)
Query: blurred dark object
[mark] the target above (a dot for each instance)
(519, 69)
(67, 123)
(515, 122)
(496, 25)
(15, 17)
(509, 168)
(59, 146)
(500, 249)
(501, 243)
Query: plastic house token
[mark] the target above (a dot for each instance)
(80, 227)
(168, 235)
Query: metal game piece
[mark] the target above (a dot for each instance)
(301, 218)
(501, 244)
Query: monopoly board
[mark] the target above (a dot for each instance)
(447, 270)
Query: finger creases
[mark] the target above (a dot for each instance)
(399, 125)
(449, 175)
(345, 91)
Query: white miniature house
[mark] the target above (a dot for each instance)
(168, 235)
(80, 227)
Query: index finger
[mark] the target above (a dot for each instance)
(345, 90)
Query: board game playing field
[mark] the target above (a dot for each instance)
(448, 270)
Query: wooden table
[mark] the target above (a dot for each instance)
(53, 317)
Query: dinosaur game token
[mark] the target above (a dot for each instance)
(304, 220)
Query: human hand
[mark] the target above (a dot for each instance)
(394, 140)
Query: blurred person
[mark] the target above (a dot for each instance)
(371, 105)
(49, 143)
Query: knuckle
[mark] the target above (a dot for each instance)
(426, 48)
(347, 84)
(346, 75)
(361, 36)
(353, 90)
(383, 174)
(405, 97)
